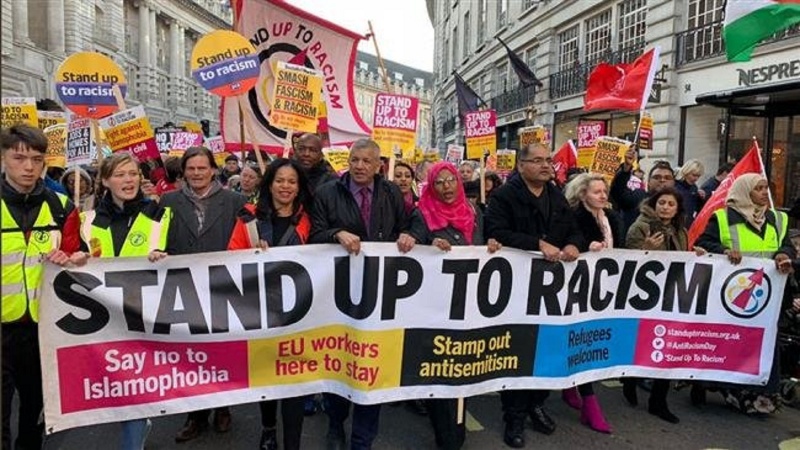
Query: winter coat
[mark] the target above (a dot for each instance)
(335, 209)
(627, 201)
(674, 238)
(691, 201)
(425, 236)
(513, 220)
(220, 218)
(588, 225)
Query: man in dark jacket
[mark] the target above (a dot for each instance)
(627, 201)
(204, 215)
(359, 207)
(308, 152)
(530, 213)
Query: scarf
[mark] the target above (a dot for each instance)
(408, 202)
(605, 227)
(739, 199)
(438, 214)
(200, 203)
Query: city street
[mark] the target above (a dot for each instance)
(714, 427)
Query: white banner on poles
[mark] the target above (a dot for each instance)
(123, 338)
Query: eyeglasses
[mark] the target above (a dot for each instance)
(538, 161)
(444, 181)
(662, 177)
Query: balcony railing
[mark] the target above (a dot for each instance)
(573, 81)
(517, 98)
(706, 42)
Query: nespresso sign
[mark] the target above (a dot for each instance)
(772, 72)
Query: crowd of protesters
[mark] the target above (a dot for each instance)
(201, 207)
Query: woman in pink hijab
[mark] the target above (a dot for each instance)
(449, 220)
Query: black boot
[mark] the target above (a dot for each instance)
(657, 405)
(629, 391)
(661, 411)
(514, 435)
(541, 421)
(269, 439)
(698, 395)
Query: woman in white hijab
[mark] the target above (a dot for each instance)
(747, 226)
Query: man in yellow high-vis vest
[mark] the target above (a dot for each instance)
(38, 225)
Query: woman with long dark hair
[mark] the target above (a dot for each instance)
(658, 227)
(279, 218)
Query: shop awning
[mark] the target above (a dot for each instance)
(780, 98)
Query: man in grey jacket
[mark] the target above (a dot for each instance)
(204, 215)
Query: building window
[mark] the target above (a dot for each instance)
(530, 58)
(419, 82)
(482, 4)
(162, 44)
(455, 47)
(704, 12)
(190, 39)
(501, 75)
(527, 4)
(99, 24)
(38, 23)
(398, 76)
(363, 65)
(467, 37)
(130, 16)
(632, 23)
(502, 13)
(487, 86)
(707, 40)
(568, 48)
(598, 36)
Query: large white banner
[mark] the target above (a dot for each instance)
(124, 338)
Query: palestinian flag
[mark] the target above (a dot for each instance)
(749, 22)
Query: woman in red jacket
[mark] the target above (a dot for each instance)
(279, 218)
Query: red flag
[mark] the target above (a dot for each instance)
(622, 86)
(750, 163)
(565, 158)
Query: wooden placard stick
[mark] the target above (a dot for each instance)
(483, 176)
(245, 125)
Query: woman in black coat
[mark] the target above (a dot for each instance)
(602, 228)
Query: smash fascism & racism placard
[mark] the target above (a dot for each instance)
(296, 96)
(206, 330)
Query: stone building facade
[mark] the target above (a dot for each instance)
(704, 107)
(151, 40)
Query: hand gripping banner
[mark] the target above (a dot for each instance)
(124, 338)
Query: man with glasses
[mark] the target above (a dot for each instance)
(530, 213)
(38, 225)
(308, 153)
(627, 200)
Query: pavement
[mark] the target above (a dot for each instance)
(715, 426)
